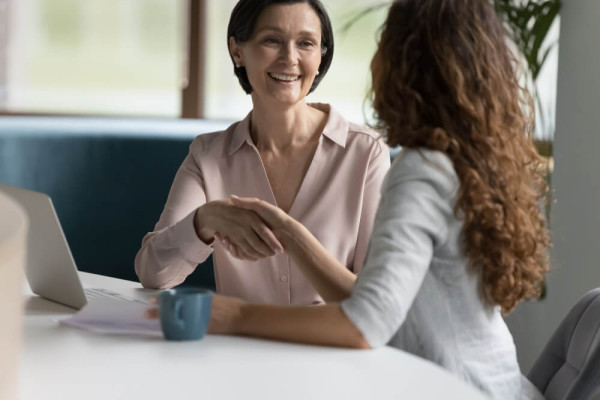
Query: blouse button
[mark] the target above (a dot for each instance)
(284, 278)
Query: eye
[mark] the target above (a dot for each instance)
(271, 41)
(307, 44)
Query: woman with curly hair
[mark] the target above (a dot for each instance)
(459, 238)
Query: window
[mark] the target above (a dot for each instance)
(113, 57)
(128, 57)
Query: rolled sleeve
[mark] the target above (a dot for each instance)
(167, 257)
(183, 235)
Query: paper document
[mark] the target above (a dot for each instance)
(111, 315)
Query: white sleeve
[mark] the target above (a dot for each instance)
(412, 220)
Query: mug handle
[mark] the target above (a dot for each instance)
(178, 308)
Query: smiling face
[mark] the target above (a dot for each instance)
(283, 55)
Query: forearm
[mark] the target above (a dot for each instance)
(203, 229)
(322, 325)
(160, 267)
(168, 256)
(332, 280)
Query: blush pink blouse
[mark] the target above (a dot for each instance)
(336, 201)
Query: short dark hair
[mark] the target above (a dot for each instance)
(243, 20)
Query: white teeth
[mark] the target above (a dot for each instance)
(286, 78)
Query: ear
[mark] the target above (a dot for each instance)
(236, 52)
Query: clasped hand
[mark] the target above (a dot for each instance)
(245, 227)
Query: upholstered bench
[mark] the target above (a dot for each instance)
(108, 178)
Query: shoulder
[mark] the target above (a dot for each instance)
(212, 142)
(354, 138)
(369, 143)
(431, 166)
(365, 136)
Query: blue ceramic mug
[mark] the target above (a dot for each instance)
(184, 313)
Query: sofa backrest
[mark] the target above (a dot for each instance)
(108, 178)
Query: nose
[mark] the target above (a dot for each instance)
(289, 53)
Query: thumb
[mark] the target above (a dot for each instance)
(241, 202)
(263, 210)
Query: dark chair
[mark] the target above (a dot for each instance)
(569, 366)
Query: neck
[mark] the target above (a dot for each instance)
(280, 128)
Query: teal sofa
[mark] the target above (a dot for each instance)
(108, 178)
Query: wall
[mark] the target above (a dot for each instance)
(576, 213)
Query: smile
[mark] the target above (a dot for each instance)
(284, 78)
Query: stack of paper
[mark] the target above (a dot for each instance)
(111, 315)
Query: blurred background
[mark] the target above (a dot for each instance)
(132, 58)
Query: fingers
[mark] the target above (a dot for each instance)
(274, 218)
(258, 245)
(151, 313)
(268, 237)
(255, 241)
(234, 250)
(265, 211)
(221, 239)
(241, 202)
(252, 204)
(250, 234)
(243, 254)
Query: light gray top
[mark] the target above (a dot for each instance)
(417, 291)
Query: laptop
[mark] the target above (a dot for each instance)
(51, 270)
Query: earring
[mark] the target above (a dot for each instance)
(237, 65)
(318, 72)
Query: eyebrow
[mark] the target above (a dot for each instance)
(279, 30)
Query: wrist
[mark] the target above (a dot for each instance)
(291, 233)
(238, 320)
(201, 225)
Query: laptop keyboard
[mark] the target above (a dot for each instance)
(95, 293)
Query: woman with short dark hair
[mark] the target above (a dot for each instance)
(243, 21)
(304, 158)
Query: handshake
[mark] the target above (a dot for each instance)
(248, 228)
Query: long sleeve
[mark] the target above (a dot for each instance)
(375, 174)
(412, 219)
(173, 250)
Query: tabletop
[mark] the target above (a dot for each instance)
(62, 362)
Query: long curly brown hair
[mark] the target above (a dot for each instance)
(445, 79)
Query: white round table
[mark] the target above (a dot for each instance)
(62, 362)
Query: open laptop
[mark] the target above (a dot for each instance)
(51, 270)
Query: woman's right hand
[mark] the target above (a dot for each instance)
(244, 229)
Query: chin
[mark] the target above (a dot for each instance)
(289, 100)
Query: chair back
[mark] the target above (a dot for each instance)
(569, 366)
(587, 384)
(13, 239)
